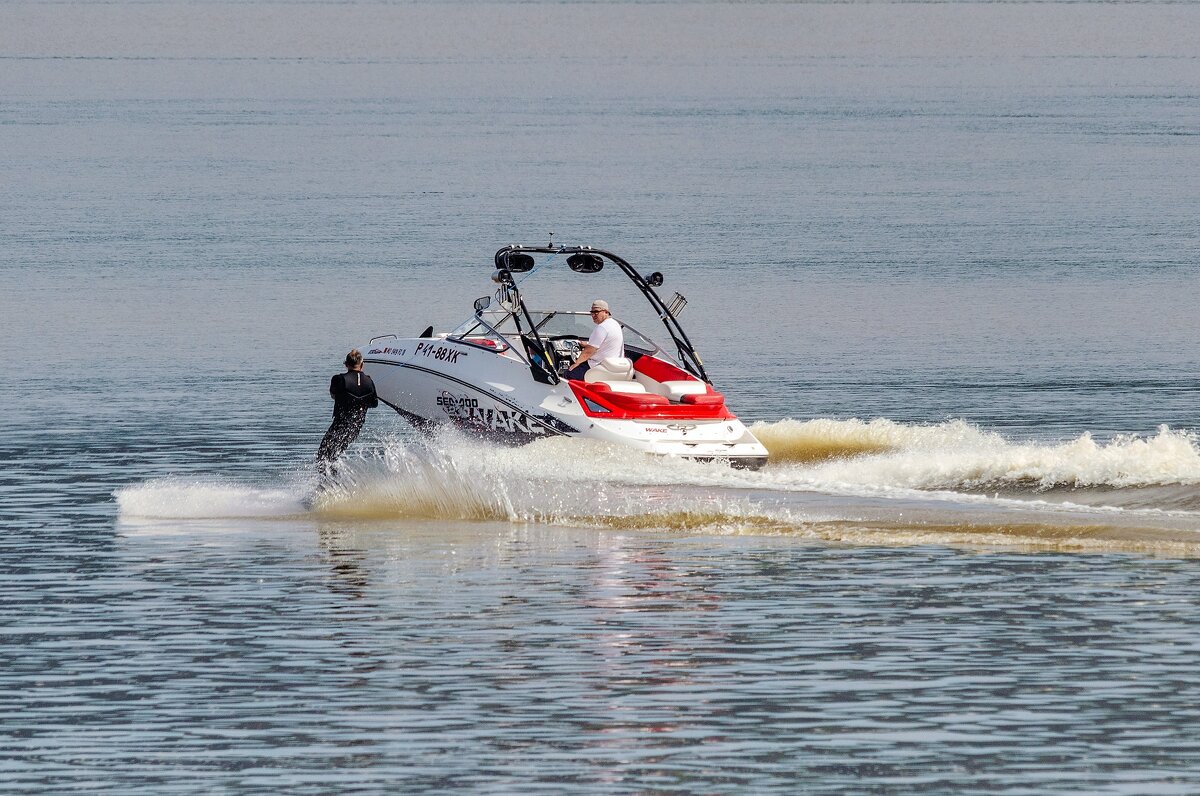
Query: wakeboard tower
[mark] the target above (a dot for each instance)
(498, 375)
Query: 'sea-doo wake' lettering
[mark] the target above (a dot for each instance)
(468, 412)
(440, 353)
(448, 402)
(502, 420)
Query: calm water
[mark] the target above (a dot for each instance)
(943, 255)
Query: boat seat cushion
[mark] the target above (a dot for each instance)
(704, 399)
(621, 386)
(612, 370)
(674, 390)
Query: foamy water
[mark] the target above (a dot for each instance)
(958, 455)
(843, 478)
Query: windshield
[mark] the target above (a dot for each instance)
(476, 332)
(579, 324)
(551, 324)
(500, 320)
(554, 324)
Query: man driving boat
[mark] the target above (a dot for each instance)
(606, 341)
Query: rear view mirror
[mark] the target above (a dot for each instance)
(482, 304)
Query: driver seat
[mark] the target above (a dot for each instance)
(616, 372)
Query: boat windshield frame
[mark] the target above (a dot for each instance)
(509, 294)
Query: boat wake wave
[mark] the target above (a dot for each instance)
(958, 456)
(851, 480)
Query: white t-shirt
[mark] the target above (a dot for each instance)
(609, 341)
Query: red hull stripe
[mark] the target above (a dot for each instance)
(599, 401)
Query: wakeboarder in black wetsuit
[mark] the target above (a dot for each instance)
(353, 394)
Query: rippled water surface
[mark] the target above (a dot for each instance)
(329, 656)
(941, 256)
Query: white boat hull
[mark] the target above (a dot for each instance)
(432, 382)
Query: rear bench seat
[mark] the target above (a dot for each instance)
(639, 386)
(663, 378)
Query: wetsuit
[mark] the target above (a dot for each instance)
(353, 394)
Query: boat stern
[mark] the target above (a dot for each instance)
(726, 440)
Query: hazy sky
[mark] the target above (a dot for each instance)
(607, 31)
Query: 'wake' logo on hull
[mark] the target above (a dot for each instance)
(467, 412)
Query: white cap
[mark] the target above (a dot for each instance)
(600, 304)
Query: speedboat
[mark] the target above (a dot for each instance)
(499, 375)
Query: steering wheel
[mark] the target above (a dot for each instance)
(566, 350)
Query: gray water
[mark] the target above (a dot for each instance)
(941, 255)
